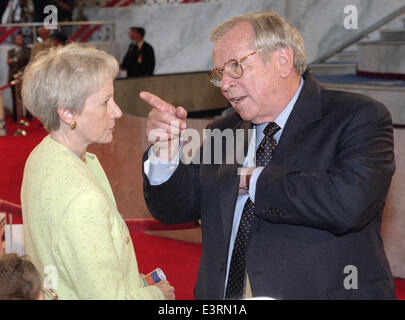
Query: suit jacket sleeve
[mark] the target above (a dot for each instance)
(148, 56)
(176, 200)
(347, 195)
(125, 62)
(24, 59)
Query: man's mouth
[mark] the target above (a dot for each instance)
(237, 100)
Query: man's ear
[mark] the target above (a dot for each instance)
(285, 61)
(66, 116)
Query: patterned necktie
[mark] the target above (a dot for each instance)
(236, 277)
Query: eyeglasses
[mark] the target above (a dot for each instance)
(50, 292)
(232, 68)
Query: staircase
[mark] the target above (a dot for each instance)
(343, 63)
(364, 68)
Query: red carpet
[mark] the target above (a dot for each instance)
(14, 151)
(400, 288)
(178, 259)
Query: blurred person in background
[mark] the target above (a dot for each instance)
(139, 60)
(43, 41)
(17, 58)
(18, 11)
(19, 279)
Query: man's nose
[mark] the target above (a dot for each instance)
(227, 82)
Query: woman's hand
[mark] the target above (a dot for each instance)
(166, 288)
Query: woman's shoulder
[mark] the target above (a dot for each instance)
(48, 152)
(56, 168)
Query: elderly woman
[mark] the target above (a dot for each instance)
(73, 231)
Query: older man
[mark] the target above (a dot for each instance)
(304, 221)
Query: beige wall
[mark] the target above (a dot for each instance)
(193, 91)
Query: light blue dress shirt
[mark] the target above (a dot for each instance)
(159, 173)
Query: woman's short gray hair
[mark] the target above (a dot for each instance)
(272, 32)
(64, 77)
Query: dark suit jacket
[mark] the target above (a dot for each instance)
(131, 64)
(23, 57)
(319, 203)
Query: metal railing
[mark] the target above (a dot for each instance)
(361, 35)
(139, 3)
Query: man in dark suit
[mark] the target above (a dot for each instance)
(17, 58)
(139, 60)
(303, 220)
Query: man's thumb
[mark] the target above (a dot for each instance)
(181, 113)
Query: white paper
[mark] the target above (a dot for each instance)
(15, 239)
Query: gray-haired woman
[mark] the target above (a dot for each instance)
(73, 231)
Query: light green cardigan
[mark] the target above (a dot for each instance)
(73, 231)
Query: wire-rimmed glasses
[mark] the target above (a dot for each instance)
(232, 68)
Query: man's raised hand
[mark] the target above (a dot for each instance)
(164, 125)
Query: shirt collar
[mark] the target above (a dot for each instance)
(282, 118)
(140, 44)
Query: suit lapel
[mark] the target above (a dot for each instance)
(306, 112)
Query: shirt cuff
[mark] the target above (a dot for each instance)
(159, 171)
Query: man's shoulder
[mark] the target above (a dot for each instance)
(351, 102)
(339, 102)
(147, 45)
(226, 122)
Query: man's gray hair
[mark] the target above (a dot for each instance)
(64, 77)
(272, 32)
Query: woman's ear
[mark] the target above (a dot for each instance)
(66, 116)
(285, 62)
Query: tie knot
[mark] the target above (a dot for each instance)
(271, 129)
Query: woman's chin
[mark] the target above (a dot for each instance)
(107, 139)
